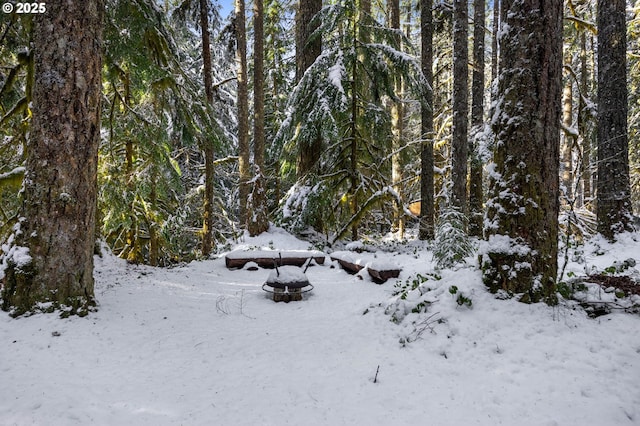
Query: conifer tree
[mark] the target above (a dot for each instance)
(258, 220)
(243, 108)
(477, 121)
(157, 118)
(339, 99)
(427, 205)
(397, 130)
(459, 138)
(50, 259)
(614, 192)
(520, 257)
(207, 219)
(307, 51)
(16, 75)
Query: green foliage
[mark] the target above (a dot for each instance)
(305, 206)
(155, 111)
(339, 100)
(16, 74)
(451, 244)
(568, 289)
(411, 297)
(461, 299)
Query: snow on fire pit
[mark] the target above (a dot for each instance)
(287, 283)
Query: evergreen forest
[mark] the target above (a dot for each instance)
(182, 125)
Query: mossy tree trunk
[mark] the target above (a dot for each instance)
(243, 109)
(307, 51)
(477, 121)
(51, 259)
(522, 218)
(426, 127)
(460, 98)
(258, 219)
(613, 206)
(397, 130)
(209, 153)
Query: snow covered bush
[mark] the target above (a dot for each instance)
(451, 244)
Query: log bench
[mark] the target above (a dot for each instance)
(269, 258)
(379, 271)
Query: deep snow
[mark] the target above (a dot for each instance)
(202, 345)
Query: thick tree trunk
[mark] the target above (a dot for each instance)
(52, 256)
(209, 154)
(459, 139)
(243, 109)
(476, 213)
(306, 53)
(520, 257)
(426, 155)
(258, 220)
(613, 207)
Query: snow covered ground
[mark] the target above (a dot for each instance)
(202, 345)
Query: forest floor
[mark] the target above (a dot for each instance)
(200, 344)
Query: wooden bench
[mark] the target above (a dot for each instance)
(379, 271)
(269, 258)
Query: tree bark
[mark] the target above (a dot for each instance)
(459, 139)
(307, 50)
(585, 135)
(520, 257)
(613, 206)
(209, 153)
(397, 124)
(258, 220)
(566, 166)
(476, 213)
(426, 128)
(494, 41)
(243, 109)
(60, 185)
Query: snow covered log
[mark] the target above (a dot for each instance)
(379, 275)
(347, 262)
(269, 258)
(379, 271)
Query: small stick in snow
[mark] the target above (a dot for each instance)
(375, 379)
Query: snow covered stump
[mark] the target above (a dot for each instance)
(287, 283)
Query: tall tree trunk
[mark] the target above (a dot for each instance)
(459, 139)
(258, 220)
(209, 154)
(494, 41)
(132, 250)
(583, 128)
(476, 212)
(243, 109)
(520, 257)
(613, 207)
(397, 121)
(566, 166)
(353, 155)
(427, 207)
(52, 256)
(307, 51)
(154, 242)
